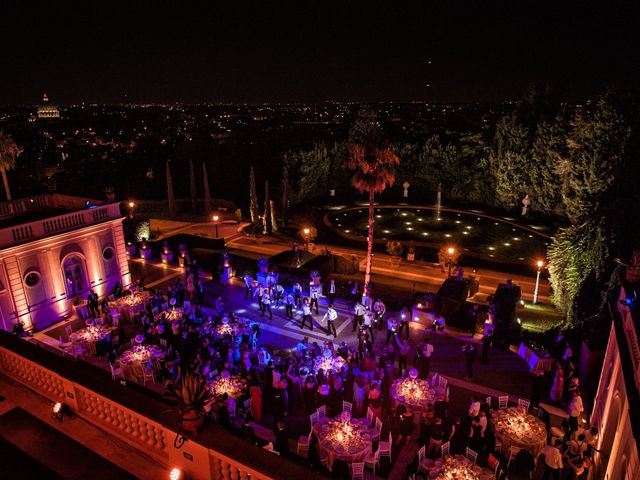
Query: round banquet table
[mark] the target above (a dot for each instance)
(457, 467)
(335, 451)
(133, 361)
(415, 403)
(234, 386)
(515, 427)
(89, 336)
(127, 305)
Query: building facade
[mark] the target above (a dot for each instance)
(54, 250)
(616, 410)
(47, 110)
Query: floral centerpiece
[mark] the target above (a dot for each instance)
(457, 470)
(412, 391)
(328, 363)
(233, 385)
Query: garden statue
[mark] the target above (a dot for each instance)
(526, 205)
(406, 186)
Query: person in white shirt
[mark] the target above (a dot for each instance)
(552, 460)
(379, 308)
(474, 408)
(266, 304)
(297, 294)
(330, 317)
(358, 316)
(367, 324)
(575, 410)
(288, 305)
(314, 299)
(577, 447)
(332, 292)
(260, 291)
(306, 315)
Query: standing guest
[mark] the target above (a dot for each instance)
(247, 431)
(332, 292)
(558, 385)
(92, 303)
(392, 324)
(470, 355)
(260, 292)
(552, 460)
(354, 293)
(405, 316)
(248, 286)
(314, 299)
(297, 294)
(536, 387)
(379, 308)
(330, 317)
(403, 353)
(281, 444)
(279, 294)
(266, 304)
(459, 437)
(486, 345)
(358, 315)
(306, 315)
(435, 438)
(367, 324)
(288, 305)
(375, 400)
(575, 410)
(423, 361)
(359, 393)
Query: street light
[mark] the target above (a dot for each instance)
(131, 205)
(540, 265)
(450, 251)
(216, 219)
(306, 231)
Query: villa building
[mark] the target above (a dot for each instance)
(616, 407)
(55, 249)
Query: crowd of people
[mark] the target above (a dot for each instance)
(287, 383)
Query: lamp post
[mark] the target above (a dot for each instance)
(539, 264)
(131, 205)
(216, 220)
(305, 234)
(450, 251)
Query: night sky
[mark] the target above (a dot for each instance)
(313, 51)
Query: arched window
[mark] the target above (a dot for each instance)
(74, 275)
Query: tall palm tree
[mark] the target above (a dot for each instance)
(9, 151)
(373, 161)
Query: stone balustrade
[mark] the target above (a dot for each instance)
(139, 418)
(57, 224)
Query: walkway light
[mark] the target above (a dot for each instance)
(540, 265)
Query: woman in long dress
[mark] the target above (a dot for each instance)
(558, 385)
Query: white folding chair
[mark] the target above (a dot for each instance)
(444, 448)
(424, 464)
(372, 460)
(116, 372)
(513, 453)
(471, 455)
(442, 382)
(369, 415)
(346, 406)
(488, 401)
(446, 395)
(384, 448)
(322, 411)
(68, 330)
(524, 403)
(496, 471)
(303, 445)
(357, 471)
(315, 418)
(503, 402)
(434, 380)
(148, 374)
(379, 426)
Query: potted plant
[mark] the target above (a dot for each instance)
(192, 397)
(394, 248)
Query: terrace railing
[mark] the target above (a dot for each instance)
(139, 418)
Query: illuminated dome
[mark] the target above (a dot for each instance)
(47, 110)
